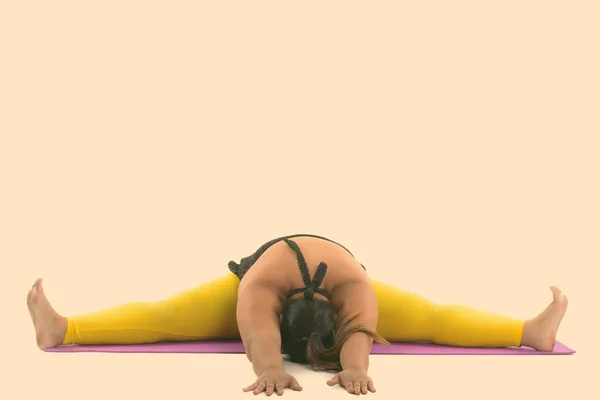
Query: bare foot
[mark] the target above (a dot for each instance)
(50, 327)
(541, 330)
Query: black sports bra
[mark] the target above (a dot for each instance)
(311, 286)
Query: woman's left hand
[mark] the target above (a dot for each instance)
(355, 381)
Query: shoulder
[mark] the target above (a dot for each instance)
(352, 294)
(255, 296)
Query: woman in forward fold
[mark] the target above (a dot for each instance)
(304, 295)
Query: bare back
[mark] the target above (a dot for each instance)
(277, 269)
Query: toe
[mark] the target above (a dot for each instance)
(556, 293)
(559, 297)
(33, 294)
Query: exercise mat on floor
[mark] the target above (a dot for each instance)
(236, 347)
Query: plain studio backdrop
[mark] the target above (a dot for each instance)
(451, 146)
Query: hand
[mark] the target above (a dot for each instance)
(272, 380)
(355, 381)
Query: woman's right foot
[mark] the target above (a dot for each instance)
(50, 327)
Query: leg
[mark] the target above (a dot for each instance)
(203, 313)
(407, 317)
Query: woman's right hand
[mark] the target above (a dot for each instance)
(273, 380)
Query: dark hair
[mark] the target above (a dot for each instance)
(309, 334)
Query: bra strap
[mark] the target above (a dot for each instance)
(312, 286)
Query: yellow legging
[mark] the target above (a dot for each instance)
(209, 312)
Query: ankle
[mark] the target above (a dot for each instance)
(530, 335)
(56, 335)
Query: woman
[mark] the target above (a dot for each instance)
(326, 314)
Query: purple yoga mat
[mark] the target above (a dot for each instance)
(236, 347)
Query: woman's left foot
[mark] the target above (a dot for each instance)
(545, 326)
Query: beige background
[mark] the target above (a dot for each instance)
(452, 146)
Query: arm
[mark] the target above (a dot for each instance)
(258, 323)
(359, 302)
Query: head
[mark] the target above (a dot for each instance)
(310, 333)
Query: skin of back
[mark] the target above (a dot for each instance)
(263, 291)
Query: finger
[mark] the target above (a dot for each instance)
(334, 381)
(260, 388)
(251, 387)
(279, 388)
(371, 386)
(269, 390)
(295, 385)
(349, 387)
(363, 387)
